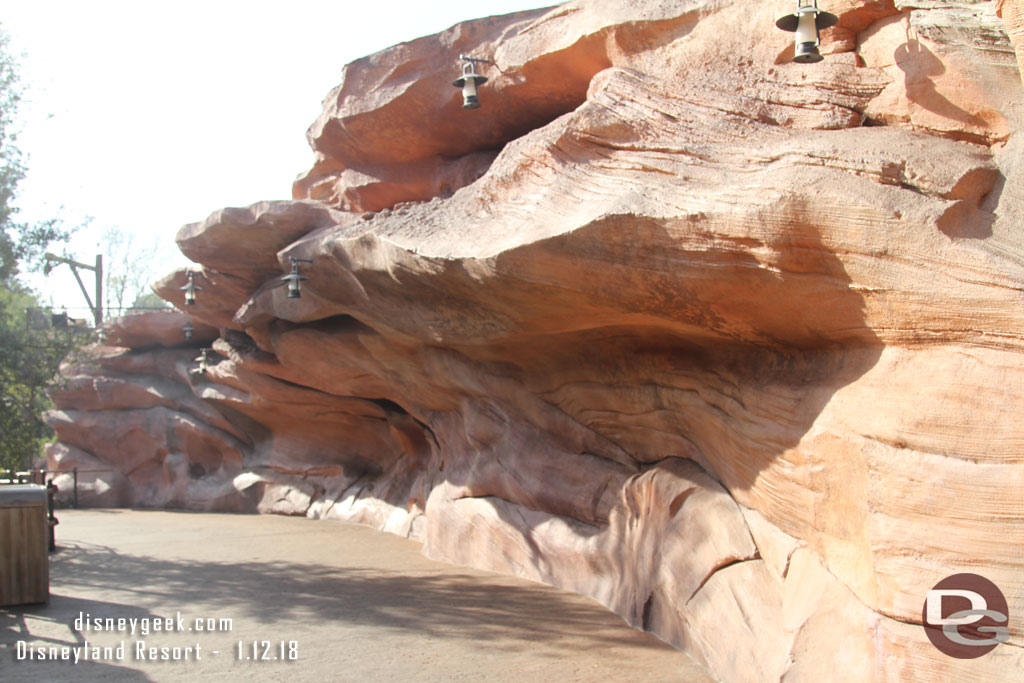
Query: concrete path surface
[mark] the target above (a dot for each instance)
(268, 598)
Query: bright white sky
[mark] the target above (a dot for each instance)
(145, 116)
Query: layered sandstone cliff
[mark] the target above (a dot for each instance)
(729, 343)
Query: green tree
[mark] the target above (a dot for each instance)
(149, 302)
(31, 348)
(19, 241)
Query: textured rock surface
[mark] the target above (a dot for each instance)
(1012, 13)
(731, 344)
(132, 425)
(157, 328)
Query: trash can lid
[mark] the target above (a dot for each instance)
(16, 494)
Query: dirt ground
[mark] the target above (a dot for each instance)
(306, 600)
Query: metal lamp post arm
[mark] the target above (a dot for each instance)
(97, 308)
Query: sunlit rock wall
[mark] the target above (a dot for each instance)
(729, 343)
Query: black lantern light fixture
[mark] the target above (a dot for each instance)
(189, 330)
(190, 289)
(807, 22)
(469, 81)
(294, 278)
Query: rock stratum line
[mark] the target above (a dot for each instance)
(732, 345)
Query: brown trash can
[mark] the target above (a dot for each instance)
(24, 561)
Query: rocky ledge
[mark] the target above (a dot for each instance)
(731, 344)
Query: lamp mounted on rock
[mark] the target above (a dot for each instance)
(190, 289)
(807, 22)
(203, 361)
(469, 81)
(294, 278)
(189, 330)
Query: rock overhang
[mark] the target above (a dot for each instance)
(705, 325)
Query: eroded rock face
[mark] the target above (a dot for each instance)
(1012, 12)
(729, 343)
(166, 329)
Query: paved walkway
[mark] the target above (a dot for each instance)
(307, 600)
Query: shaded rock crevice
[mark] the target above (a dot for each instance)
(702, 340)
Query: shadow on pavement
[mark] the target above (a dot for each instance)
(432, 603)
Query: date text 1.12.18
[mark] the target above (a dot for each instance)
(267, 650)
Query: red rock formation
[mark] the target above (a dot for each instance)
(729, 343)
(157, 328)
(1012, 13)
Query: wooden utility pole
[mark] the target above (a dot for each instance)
(97, 308)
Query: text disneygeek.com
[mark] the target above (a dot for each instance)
(85, 624)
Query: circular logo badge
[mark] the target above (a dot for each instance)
(966, 616)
